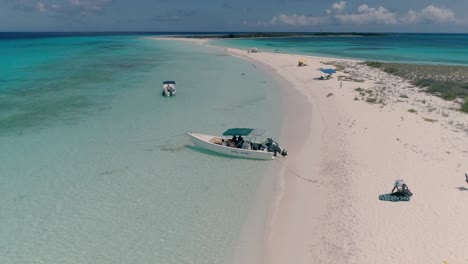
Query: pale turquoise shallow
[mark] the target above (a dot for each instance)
(94, 164)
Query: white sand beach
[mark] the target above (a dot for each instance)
(367, 129)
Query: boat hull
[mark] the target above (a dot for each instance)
(203, 141)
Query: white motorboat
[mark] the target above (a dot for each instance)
(168, 88)
(237, 146)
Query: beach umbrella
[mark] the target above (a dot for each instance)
(328, 71)
(302, 62)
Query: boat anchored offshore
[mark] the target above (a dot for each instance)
(232, 143)
(168, 88)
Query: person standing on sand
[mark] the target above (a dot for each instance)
(466, 178)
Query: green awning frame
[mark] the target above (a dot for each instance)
(253, 132)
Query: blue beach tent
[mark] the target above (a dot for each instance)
(328, 71)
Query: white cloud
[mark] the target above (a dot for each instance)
(68, 7)
(174, 16)
(295, 20)
(40, 7)
(336, 13)
(87, 7)
(339, 6)
(367, 15)
(430, 15)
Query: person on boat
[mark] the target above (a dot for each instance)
(400, 187)
(170, 88)
(272, 146)
(232, 142)
(240, 142)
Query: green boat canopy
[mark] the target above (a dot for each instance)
(253, 132)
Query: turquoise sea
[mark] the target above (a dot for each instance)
(95, 167)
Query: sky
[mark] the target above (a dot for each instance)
(446, 16)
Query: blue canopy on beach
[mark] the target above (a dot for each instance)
(169, 82)
(328, 71)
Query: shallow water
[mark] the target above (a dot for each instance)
(95, 166)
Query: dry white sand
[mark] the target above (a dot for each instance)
(355, 151)
(327, 208)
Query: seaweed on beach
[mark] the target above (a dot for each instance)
(448, 90)
(464, 107)
(374, 64)
(339, 65)
(447, 82)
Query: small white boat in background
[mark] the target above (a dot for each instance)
(237, 146)
(168, 88)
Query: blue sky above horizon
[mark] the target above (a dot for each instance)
(239, 15)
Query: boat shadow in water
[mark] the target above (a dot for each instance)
(212, 153)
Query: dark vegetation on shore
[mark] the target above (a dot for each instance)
(285, 34)
(447, 82)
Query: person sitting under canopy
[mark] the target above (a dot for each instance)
(240, 142)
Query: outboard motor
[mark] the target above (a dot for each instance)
(272, 146)
(171, 90)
